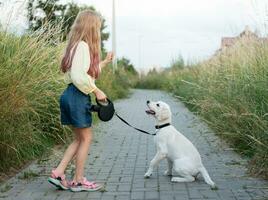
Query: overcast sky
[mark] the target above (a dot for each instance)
(153, 32)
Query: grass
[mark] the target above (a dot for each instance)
(30, 86)
(5, 188)
(230, 92)
(28, 175)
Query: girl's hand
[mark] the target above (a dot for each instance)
(107, 60)
(109, 57)
(100, 95)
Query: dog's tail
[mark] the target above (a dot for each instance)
(207, 178)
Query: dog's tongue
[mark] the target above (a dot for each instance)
(150, 112)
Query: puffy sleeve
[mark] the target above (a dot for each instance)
(80, 64)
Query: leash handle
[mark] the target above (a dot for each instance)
(140, 130)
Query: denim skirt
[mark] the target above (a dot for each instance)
(75, 108)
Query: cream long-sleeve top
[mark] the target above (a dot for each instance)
(78, 73)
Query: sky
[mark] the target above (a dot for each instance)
(154, 32)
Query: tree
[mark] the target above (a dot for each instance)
(152, 71)
(44, 12)
(125, 63)
(177, 63)
(51, 12)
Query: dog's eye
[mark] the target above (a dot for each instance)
(158, 105)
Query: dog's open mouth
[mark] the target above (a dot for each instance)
(150, 112)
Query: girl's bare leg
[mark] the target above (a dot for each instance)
(68, 155)
(85, 135)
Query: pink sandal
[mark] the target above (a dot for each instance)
(58, 180)
(85, 185)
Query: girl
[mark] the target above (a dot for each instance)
(81, 66)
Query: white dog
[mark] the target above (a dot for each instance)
(181, 154)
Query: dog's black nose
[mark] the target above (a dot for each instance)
(148, 102)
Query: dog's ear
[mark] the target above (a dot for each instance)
(164, 114)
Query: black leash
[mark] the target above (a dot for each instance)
(140, 130)
(133, 126)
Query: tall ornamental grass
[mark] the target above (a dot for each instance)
(30, 86)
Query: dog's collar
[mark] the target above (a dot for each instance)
(162, 126)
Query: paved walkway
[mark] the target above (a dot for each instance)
(120, 156)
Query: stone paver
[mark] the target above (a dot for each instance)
(120, 156)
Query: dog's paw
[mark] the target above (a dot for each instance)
(147, 174)
(214, 187)
(168, 173)
(175, 179)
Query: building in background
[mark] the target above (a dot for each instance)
(246, 35)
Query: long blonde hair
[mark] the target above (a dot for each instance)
(86, 27)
